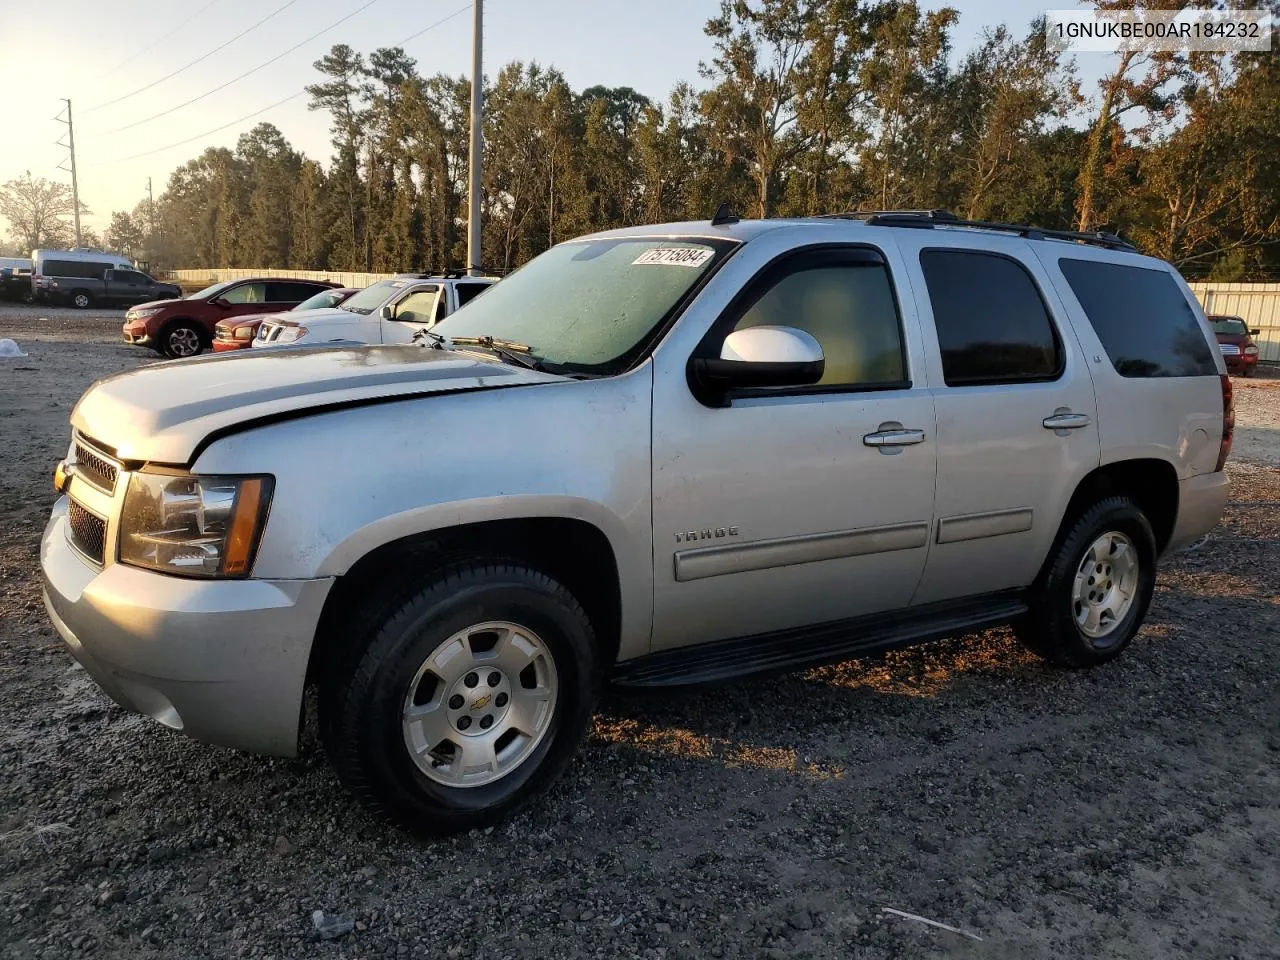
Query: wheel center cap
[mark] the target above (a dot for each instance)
(478, 700)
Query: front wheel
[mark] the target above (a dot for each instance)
(1092, 597)
(181, 340)
(466, 701)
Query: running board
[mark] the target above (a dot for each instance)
(813, 646)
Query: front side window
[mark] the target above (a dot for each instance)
(1146, 325)
(418, 307)
(247, 293)
(992, 324)
(210, 291)
(592, 306)
(848, 308)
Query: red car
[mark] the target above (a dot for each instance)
(1235, 340)
(183, 328)
(237, 333)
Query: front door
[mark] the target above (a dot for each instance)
(1017, 424)
(789, 507)
(413, 311)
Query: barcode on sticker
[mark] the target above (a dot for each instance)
(675, 256)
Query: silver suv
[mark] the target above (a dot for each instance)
(658, 456)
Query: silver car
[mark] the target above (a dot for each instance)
(658, 456)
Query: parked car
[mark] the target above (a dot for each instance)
(15, 278)
(664, 455)
(390, 311)
(185, 327)
(237, 333)
(1236, 342)
(83, 278)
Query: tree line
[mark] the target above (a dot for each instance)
(805, 107)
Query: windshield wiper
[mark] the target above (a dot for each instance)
(437, 341)
(509, 350)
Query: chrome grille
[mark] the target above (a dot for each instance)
(98, 470)
(87, 532)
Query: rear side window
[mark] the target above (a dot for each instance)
(86, 269)
(1144, 322)
(469, 291)
(291, 292)
(993, 326)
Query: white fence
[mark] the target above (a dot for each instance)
(1257, 304)
(218, 274)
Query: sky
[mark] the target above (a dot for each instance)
(90, 52)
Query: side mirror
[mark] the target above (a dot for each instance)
(1255, 333)
(220, 302)
(765, 356)
(387, 312)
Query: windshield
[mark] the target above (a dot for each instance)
(1229, 325)
(325, 298)
(590, 305)
(210, 291)
(371, 298)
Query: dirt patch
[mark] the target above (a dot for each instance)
(1128, 812)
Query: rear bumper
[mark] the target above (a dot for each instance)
(224, 660)
(1200, 503)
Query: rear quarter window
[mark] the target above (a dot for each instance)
(1142, 318)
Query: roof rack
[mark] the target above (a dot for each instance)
(928, 219)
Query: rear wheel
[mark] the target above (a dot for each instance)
(81, 300)
(466, 700)
(1091, 599)
(181, 339)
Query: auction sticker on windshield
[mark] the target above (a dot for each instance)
(676, 256)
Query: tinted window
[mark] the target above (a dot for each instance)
(131, 276)
(290, 292)
(992, 324)
(469, 291)
(75, 268)
(246, 293)
(849, 309)
(1144, 322)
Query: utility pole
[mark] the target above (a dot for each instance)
(477, 142)
(71, 145)
(152, 239)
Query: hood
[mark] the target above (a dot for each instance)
(321, 315)
(155, 304)
(163, 412)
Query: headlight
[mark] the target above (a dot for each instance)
(290, 334)
(1251, 350)
(140, 314)
(242, 333)
(193, 526)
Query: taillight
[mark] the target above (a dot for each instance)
(1228, 422)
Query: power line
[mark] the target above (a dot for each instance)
(267, 63)
(158, 40)
(200, 59)
(293, 96)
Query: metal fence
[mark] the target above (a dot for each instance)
(218, 274)
(1257, 304)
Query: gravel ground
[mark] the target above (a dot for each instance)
(1128, 812)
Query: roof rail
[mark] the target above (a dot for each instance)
(928, 219)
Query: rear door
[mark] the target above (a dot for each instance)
(1017, 425)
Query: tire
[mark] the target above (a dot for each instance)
(181, 339)
(81, 300)
(397, 765)
(1059, 624)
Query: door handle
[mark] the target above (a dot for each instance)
(1065, 420)
(900, 437)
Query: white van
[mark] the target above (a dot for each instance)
(54, 272)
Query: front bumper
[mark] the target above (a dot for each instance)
(136, 335)
(222, 660)
(224, 346)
